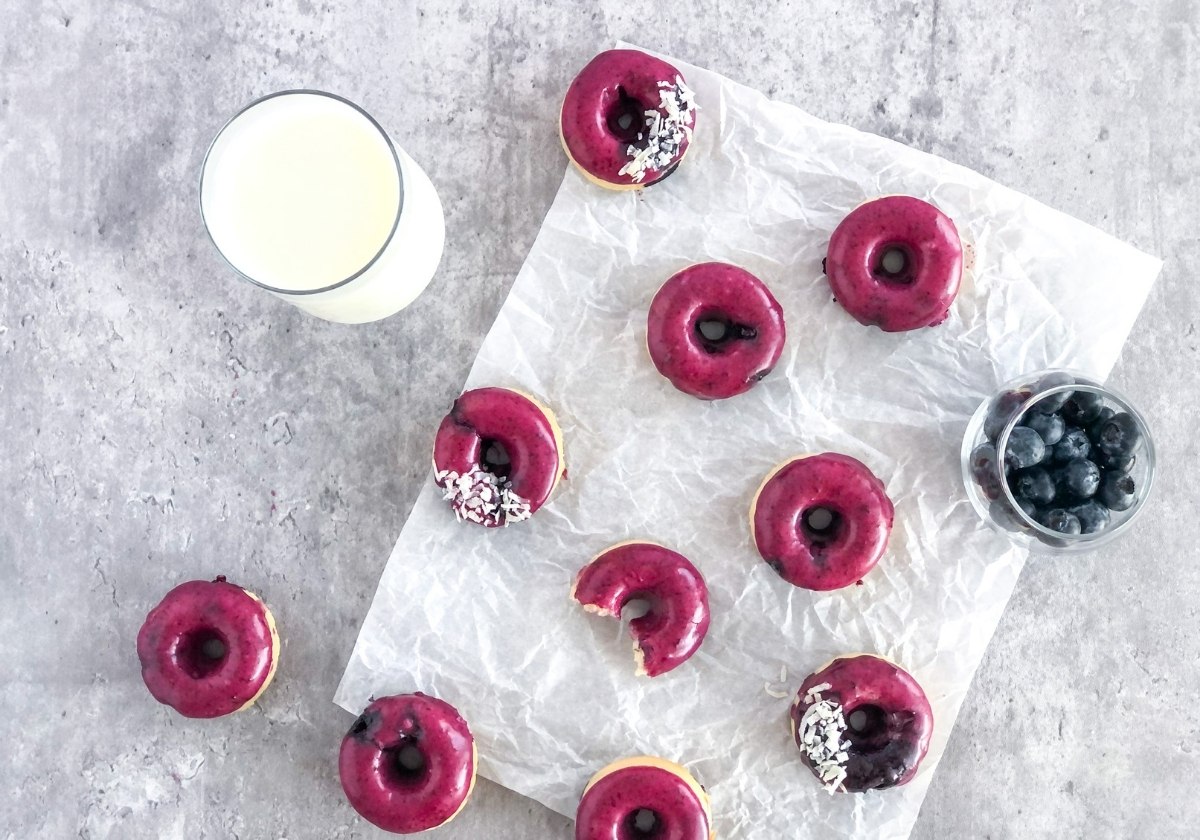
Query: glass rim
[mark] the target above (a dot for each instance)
(391, 147)
(1147, 442)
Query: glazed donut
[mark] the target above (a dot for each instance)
(714, 330)
(497, 456)
(895, 262)
(408, 763)
(627, 120)
(821, 521)
(677, 620)
(861, 724)
(637, 798)
(208, 649)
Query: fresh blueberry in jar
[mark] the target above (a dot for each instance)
(1005, 517)
(1025, 449)
(1093, 428)
(1053, 402)
(1093, 517)
(1050, 427)
(1119, 436)
(1061, 521)
(1078, 479)
(984, 469)
(1083, 407)
(1073, 444)
(1034, 485)
(1115, 463)
(1117, 491)
(1003, 408)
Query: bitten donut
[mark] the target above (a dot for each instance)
(714, 330)
(861, 724)
(627, 120)
(821, 521)
(408, 763)
(497, 456)
(208, 649)
(895, 262)
(637, 798)
(677, 620)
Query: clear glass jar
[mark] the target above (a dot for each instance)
(989, 482)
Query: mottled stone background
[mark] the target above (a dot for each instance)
(160, 421)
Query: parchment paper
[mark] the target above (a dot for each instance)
(482, 618)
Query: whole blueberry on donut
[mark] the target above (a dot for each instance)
(896, 263)
(714, 330)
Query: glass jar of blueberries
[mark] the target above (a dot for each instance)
(1058, 461)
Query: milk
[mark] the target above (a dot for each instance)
(305, 195)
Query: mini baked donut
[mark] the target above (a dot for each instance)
(677, 620)
(497, 456)
(627, 120)
(821, 521)
(408, 763)
(714, 330)
(638, 798)
(208, 649)
(895, 262)
(861, 724)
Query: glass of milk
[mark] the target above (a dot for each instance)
(306, 196)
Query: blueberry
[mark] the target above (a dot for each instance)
(1074, 444)
(1119, 436)
(1054, 402)
(1117, 491)
(984, 470)
(1093, 516)
(1034, 485)
(1004, 516)
(1061, 521)
(1025, 449)
(1002, 409)
(1079, 479)
(1049, 426)
(1093, 428)
(1083, 407)
(1115, 463)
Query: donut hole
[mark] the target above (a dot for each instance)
(715, 332)
(866, 724)
(821, 525)
(636, 607)
(625, 117)
(406, 763)
(201, 652)
(894, 263)
(643, 822)
(495, 458)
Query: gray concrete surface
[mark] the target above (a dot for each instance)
(160, 421)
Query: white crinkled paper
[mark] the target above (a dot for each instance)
(482, 617)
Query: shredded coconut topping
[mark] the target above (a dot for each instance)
(820, 734)
(481, 497)
(667, 128)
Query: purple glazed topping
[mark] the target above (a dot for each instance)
(896, 263)
(714, 330)
(677, 620)
(207, 649)
(875, 717)
(408, 763)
